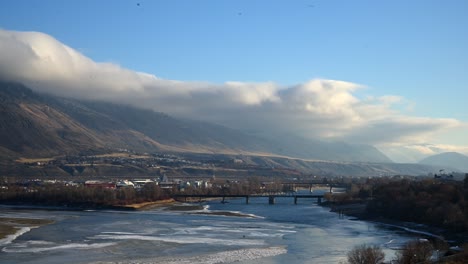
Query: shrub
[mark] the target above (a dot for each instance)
(364, 254)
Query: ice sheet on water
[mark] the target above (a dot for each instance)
(184, 239)
(21, 248)
(10, 238)
(230, 256)
(220, 257)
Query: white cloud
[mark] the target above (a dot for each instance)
(318, 108)
(400, 128)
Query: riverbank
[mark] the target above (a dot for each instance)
(146, 205)
(358, 211)
(91, 206)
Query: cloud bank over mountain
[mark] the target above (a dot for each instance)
(319, 108)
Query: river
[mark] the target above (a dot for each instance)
(260, 233)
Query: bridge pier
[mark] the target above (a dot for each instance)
(271, 199)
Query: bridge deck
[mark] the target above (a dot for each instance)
(271, 197)
(246, 195)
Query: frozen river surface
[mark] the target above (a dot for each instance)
(280, 233)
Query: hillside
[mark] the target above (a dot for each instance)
(448, 160)
(39, 125)
(29, 127)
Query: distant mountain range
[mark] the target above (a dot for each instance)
(448, 160)
(40, 125)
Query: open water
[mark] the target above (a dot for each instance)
(280, 233)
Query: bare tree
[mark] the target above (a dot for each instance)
(415, 252)
(364, 254)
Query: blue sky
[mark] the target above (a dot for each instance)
(413, 49)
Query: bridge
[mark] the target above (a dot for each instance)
(271, 197)
(294, 185)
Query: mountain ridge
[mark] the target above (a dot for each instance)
(447, 160)
(35, 124)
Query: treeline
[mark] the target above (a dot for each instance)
(443, 204)
(59, 194)
(81, 196)
(252, 185)
(429, 201)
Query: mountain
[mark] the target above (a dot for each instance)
(411, 153)
(35, 125)
(295, 146)
(29, 127)
(41, 125)
(448, 159)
